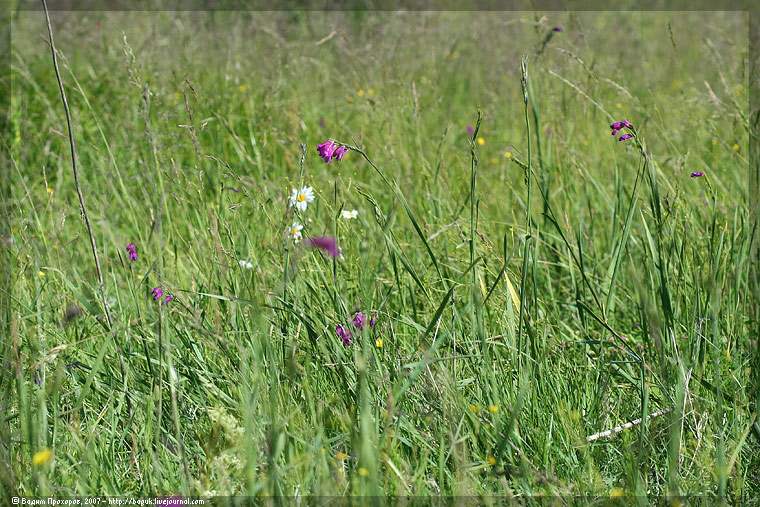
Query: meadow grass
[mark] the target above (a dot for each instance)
(536, 281)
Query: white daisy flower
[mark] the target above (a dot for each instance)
(348, 215)
(245, 264)
(301, 198)
(294, 231)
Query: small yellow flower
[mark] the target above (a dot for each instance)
(371, 91)
(507, 154)
(491, 460)
(176, 95)
(715, 142)
(494, 160)
(15, 230)
(49, 190)
(481, 141)
(585, 142)
(350, 99)
(475, 408)
(244, 87)
(360, 93)
(493, 408)
(455, 54)
(619, 105)
(55, 246)
(42, 457)
(379, 343)
(736, 147)
(363, 472)
(41, 273)
(341, 456)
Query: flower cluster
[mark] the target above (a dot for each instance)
(132, 251)
(330, 150)
(158, 293)
(618, 126)
(359, 322)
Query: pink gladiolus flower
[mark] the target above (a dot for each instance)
(326, 243)
(158, 293)
(344, 334)
(132, 251)
(326, 150)
(359, 321)
(339, 152)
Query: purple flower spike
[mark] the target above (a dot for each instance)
(372, 320)
(624, 137)
(617, 125)
(359, 321)
(614, 132)
(326, 243)
(557, 29)
(627, 125)
(168, 298)
(339, 152)
(697, 174)
(326, 150)
(158, 293)
(470, 129)
(132, 251)
(343, 334)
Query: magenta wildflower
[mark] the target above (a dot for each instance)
(329, 151)
(157, 293)
(326, 243)
(359, 321)
(326, 150)
(132, 251)
(557, 29)
(697, 174)
(470, 129)
(620, 124)
(624, 137)
(372, 320)
(548, 132)
(340, 151)
(344, 334)
(168, 298)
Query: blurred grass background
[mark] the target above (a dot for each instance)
(636, 291)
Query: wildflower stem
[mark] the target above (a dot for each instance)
(528, 224)
(101, 286)
(75, 170)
